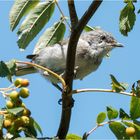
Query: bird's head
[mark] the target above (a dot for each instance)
(102, 41)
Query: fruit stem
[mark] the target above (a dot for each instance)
(46, 69)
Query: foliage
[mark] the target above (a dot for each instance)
(101, 117)
(51, 36)
(16, 117)
(119, 120)
(127, 17)
(116, 85)
(73, 137)
(19, 9)
(34, 22)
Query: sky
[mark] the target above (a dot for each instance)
(43, 101)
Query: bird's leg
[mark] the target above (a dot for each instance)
(60, 89)
(75, 72)
(57, 86)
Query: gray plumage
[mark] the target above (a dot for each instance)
(91, 49)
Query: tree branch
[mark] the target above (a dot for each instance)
(74, 40)
(58, 77)
(102, 90)
(67, 101)
(85, 136)
(73, 14)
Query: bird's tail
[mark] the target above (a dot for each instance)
(23, 69)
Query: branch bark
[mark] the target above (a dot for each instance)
(67, 101)
(73, 14)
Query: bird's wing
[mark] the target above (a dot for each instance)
(53, 58)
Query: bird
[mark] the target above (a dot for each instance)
(92, 47)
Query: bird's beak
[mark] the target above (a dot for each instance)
(118, 45)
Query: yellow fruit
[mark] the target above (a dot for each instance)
(26, 112)
(17, 82)
(25, 120)
(23, 105)
(7, 123)
(24, 82)
(21, 82)
(14, 95)
(9, 104)
(130, 131)
(24, 92)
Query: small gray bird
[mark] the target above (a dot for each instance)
(91, 49)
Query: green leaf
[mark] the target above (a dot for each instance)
(88, 28)
(34, 22)
(112, 113)
(73, 137)
(37, 127)
(16, 111)
(30, 131)
(51, 36)
(118, 130)
(7, 69)
(127, 18)
(138, 11)
(19, 9)
(137, 127)
(4, 70)
(131, 124)
(127, 1)
(135, 107)
(101, 117)
(116, 85)
(12, 68)
(136, 88)
(1, 121)
(123, 115)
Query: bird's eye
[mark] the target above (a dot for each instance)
(103, 37)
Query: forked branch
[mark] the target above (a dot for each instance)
(67, 101)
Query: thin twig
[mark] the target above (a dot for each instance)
(97, 126)
(4, 94)
(10, 88)
(102, 124)
(62, 14)
(101, 90)
(45, 69)
(2, 112)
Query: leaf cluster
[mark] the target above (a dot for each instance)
(127, 17)
(119, 120)
(37, 14)
(15, 117)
